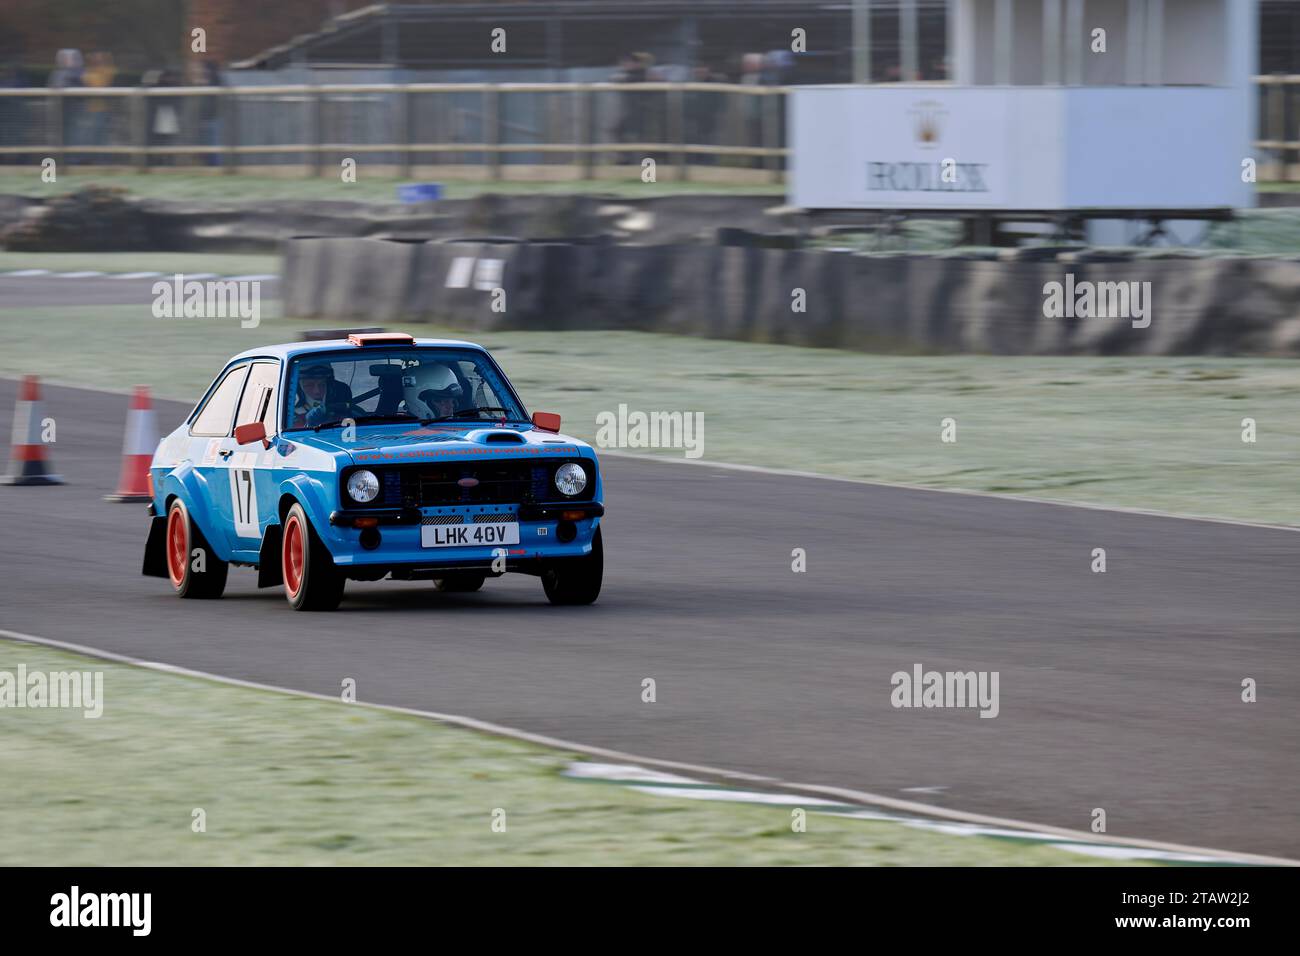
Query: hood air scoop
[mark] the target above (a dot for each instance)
(499, 437)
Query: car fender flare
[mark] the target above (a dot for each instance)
(299, 489)
(315, 500)
(185, 482)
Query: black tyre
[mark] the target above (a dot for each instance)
(200, 575)
(460, 582)
(576, 580)
(311, 581)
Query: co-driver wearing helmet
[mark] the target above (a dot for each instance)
(431, 391)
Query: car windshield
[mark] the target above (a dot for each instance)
(397, 384)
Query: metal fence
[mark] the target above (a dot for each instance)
(1279, 126)
(492, 131)
(570, 128)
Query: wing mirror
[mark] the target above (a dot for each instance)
(253, 431)
(546, 421)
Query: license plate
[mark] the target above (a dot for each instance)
(469, 535)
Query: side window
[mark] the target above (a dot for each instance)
(258, 403)
(217, 414)
(480, 392)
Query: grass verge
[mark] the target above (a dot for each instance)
(286, 781)
(1154, 433)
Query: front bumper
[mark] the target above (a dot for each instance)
(390, 538)
(370, 517)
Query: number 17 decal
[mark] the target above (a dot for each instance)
(243, 495)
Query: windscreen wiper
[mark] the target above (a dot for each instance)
(461, 413)
(366, 419)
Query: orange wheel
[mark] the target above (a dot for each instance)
(195, 572)
(311, 580)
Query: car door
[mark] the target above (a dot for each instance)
(212, 450)
(253, 484)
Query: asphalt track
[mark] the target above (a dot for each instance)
(1118, 690)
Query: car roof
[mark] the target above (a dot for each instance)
(289, 350)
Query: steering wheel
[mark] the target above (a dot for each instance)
(331, 411)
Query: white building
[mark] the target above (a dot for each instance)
(1055, 105)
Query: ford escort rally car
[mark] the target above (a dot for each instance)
(379, 455)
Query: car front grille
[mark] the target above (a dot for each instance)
(459, 517)
(443, 519)
(469, 483)
(483, 483)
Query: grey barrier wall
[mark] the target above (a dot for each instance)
(896, 303)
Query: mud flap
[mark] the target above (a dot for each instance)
(155, 550)
(269, 573)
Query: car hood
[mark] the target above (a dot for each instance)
(398, 443)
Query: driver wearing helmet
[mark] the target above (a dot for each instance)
(313, 387)
(431, 391)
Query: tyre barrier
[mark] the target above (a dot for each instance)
(65, 223)
(1197, 305)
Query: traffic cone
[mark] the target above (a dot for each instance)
(28, 461)
(137, 449)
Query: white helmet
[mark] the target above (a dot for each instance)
(425, 385)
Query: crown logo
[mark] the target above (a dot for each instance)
(927, 123)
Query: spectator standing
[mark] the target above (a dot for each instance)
(631, 124)
(164, 117)
(101, 71)
(205, 73)
(67, 75)
(702, 112)
(68, 68)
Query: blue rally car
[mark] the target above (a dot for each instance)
(377, 456)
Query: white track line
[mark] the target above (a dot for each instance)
(851, 796)
(672, 786)
(24, 273)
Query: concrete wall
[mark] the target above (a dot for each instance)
(873, 303)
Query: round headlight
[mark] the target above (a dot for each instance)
(363, 486)
(570, 479)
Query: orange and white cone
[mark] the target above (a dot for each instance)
(137, 449)
(28, 464)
